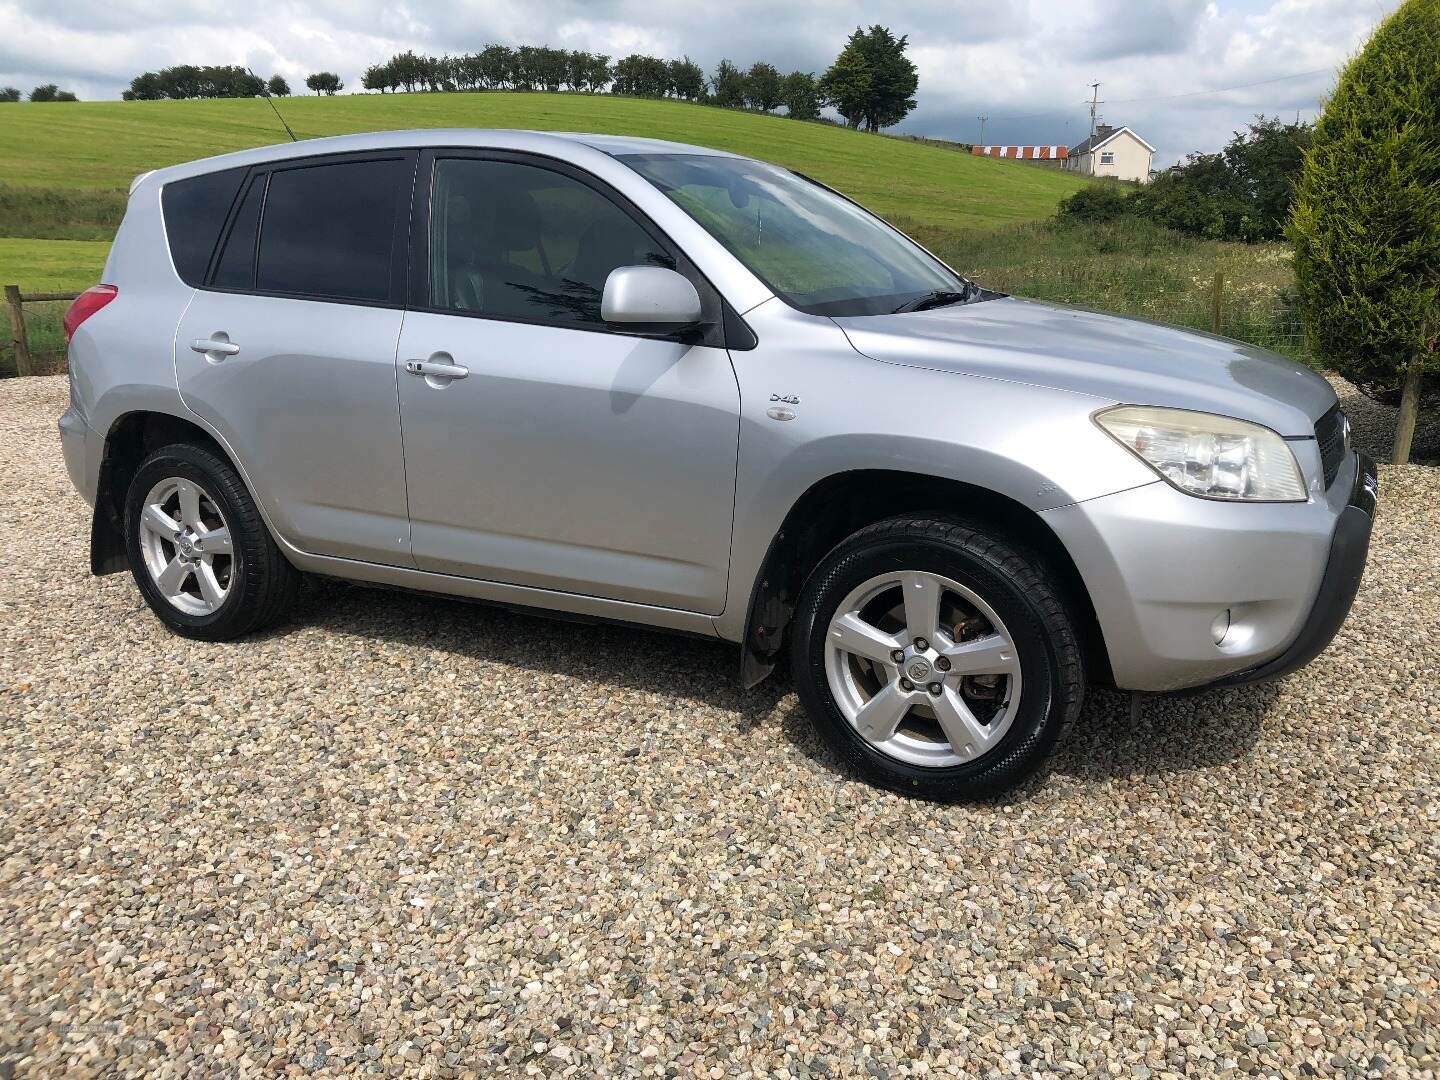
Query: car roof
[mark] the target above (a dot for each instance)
(493, 138)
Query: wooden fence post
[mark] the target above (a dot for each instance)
(1216, 294)
(18, 339)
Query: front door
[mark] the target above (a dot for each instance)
(288, 350)
(557, 453)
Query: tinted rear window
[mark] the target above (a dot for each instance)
(236, 266)
(328, 230)
(195, 212)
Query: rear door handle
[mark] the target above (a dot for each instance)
(217, 346)
(436, 368)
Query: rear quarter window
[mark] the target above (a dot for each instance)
(195, 210)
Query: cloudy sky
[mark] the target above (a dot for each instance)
(1027, 64)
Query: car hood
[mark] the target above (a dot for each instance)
(1106, 356)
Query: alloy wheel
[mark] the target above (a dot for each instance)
(922, 668)
(186, 545)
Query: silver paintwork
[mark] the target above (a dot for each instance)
(644, 480)
(309, 403)
(651, 295)
(575, 460)
(901, 690)
(186, 546)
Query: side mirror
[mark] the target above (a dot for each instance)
(651, 296)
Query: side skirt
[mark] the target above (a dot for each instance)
(519, 596)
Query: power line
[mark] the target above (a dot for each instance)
(1168, 97)
(1224, 89)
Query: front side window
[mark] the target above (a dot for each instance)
(328, 230)
(516, 241)
(1107, 158)
(817, 250)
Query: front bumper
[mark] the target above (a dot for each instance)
(1190, 592)
(1344, 568)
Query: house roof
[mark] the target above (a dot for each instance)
(1099, 139)
(1024, 153)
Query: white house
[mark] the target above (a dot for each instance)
(1111, 151)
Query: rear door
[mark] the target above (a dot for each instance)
(568, 454)
(288, 348)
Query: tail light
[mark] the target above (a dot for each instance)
(86, 304)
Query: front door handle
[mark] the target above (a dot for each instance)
(215, 346)
(436, 368)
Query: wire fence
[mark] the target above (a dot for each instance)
(35, 342)
(1250, 310)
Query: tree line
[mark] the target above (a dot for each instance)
(45, 92)
(871, 84)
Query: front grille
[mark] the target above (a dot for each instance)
(1332, 436)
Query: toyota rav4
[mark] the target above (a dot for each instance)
(633, 380)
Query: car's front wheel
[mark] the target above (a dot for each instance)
(198, 548)
(935, 659)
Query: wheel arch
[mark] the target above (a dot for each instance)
(131, 438)
(838, 505)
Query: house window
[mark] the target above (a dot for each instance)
(1107, 157)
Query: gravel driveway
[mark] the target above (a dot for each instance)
(407, 835)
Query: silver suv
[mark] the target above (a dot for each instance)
(641, 381)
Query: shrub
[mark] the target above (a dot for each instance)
(1366, 216)
(1097, 202)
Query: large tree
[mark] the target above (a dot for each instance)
(642, 76)
(687, 79)
(762, 87)
(277, 86)
(324, 82)
(1366, 216)
(51, 92)
(800, 95)
(728, 85)
(872, 82)
(1265, 161)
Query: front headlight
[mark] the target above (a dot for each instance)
(1214, 457)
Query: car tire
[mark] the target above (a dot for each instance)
(218, 574)
(1000, 672)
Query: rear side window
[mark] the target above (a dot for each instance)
(236, 267)
(329, 230)
(195, 211)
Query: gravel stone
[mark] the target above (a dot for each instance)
(402, 835)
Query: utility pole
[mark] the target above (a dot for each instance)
(1094, 101)
(982, 120)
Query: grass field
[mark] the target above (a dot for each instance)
(105, 144)
(64, 170)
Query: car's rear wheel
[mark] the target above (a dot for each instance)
(199, 551)
(935, 659)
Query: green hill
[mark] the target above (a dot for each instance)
(64, 167)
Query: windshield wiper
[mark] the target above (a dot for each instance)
(937, 298)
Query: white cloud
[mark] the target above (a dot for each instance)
(1010, 59)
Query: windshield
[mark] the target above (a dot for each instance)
(817, 250)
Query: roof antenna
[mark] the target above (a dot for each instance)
(265, 93)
